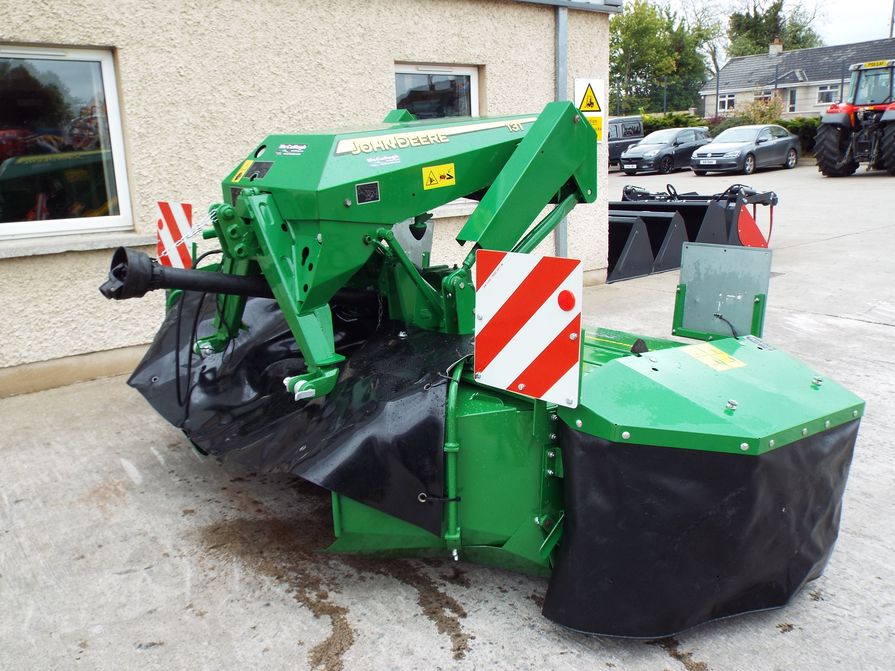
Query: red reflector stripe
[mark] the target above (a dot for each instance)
(486, 261)
(176, 234)
(554, 362)
(525, 301)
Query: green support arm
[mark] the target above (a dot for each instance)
(558, 152)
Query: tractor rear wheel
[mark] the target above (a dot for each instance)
(830, 147)
(888, 150)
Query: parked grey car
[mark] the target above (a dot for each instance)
(745, 148)
(664, 150)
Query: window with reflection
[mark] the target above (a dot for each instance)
(432, 92)
(872, 86)
(61, 154)
(827, 94)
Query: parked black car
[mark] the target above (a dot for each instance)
(664, 150)
(623, 132)
(745, 148)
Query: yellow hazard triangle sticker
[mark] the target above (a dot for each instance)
(437, 176)
(589, 102)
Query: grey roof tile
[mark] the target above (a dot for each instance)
(799, 65)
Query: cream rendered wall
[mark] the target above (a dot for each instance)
(201, 83)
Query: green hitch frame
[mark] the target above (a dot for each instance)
(393, 248)
(309, 223)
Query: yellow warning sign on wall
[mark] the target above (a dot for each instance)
(590, 98)
(589, 102)
(437, 176)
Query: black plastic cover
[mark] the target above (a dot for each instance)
(377, 438)
(657, 540)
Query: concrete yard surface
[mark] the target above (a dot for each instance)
(122, 548)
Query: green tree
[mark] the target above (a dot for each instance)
(759, 22)
(654, 58)
(25, 102)
(711, 17)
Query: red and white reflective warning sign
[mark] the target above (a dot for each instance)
(528, 324)
(174, 222)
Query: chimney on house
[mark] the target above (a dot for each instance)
(776, 47)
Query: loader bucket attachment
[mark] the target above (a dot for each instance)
(722, 219)
(642, 242)
(630, 251)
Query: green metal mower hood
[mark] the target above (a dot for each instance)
(710, 396)
(316, 175)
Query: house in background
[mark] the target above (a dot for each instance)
(806, 80)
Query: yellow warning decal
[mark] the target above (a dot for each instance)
(437, 176)
(712, 357)
(597, 123)
(243, 169)
(876, 64)
(589, 102)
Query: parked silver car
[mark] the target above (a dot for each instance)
(745, 148)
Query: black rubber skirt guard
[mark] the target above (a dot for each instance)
(378, 437)
(657, 540)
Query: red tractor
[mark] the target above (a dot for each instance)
(861, 128)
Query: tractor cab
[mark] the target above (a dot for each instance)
(871, 83)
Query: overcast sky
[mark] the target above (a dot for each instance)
(841, 21)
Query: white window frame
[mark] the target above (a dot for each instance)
(726, 102)
(828, 88)
(792, 100)
(470, 71)
(462, 207)
(120, 222)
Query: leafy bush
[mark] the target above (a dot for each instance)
(721, 124)
(805, 128)
(762, 110)
(653, 122)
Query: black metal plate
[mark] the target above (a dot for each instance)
(367, 192)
